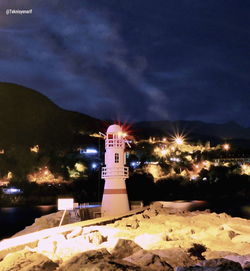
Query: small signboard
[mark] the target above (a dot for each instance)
(65, 204)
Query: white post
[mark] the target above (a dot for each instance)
(64, 212)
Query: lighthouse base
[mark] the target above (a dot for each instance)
(115, 199)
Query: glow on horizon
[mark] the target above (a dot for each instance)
(226, 147)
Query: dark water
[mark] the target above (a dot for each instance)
(233, 208)
(14, 219)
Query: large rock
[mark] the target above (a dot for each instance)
(243, 260)
(244, 238)
(175, 256)
(247, 266)
(124, 248)
(150, 260)
(221, 267)
(57, 248)
(48, 246)
(94, 237)
(221, 264)
(150, 213)
(66, 249)
(97, 260)
(148, 241)
(217, 254)
(199, 268)
(76, 232)
(131, 222)
(227, 235)
(26, 260)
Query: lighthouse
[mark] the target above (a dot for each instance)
(115, 197)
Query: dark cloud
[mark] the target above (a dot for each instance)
(132, 60)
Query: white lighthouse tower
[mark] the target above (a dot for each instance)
(115, 198)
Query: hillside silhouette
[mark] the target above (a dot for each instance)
(28, 118)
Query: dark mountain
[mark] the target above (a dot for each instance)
(27, 118)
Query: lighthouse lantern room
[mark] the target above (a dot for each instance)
(115, 198)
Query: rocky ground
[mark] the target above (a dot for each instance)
(157, 239)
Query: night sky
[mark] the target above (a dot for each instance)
(133, 60)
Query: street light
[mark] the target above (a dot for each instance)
(164, 152)
(226, 147)
(179, 140)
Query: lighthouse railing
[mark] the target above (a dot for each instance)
(115, 172)
(114, 143)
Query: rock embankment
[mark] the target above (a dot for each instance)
(157, 239)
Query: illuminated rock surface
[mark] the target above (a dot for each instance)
(124, 248)
(26, 260)
(98, 260)
(156, 239)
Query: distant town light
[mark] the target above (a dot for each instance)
(94, 166)
(91, 151)
(157, 149)
(164, 152)
(88, 151)
(175, 159)
(135, 164)
(34, 148)
(151, 163)
(244, 166)
(226, 147)
(12, 190)
(179, 140)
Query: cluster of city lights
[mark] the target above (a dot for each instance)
(178, 140)
(43, 175)
(172, 150)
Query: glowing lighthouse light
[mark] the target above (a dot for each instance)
(115, 198)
